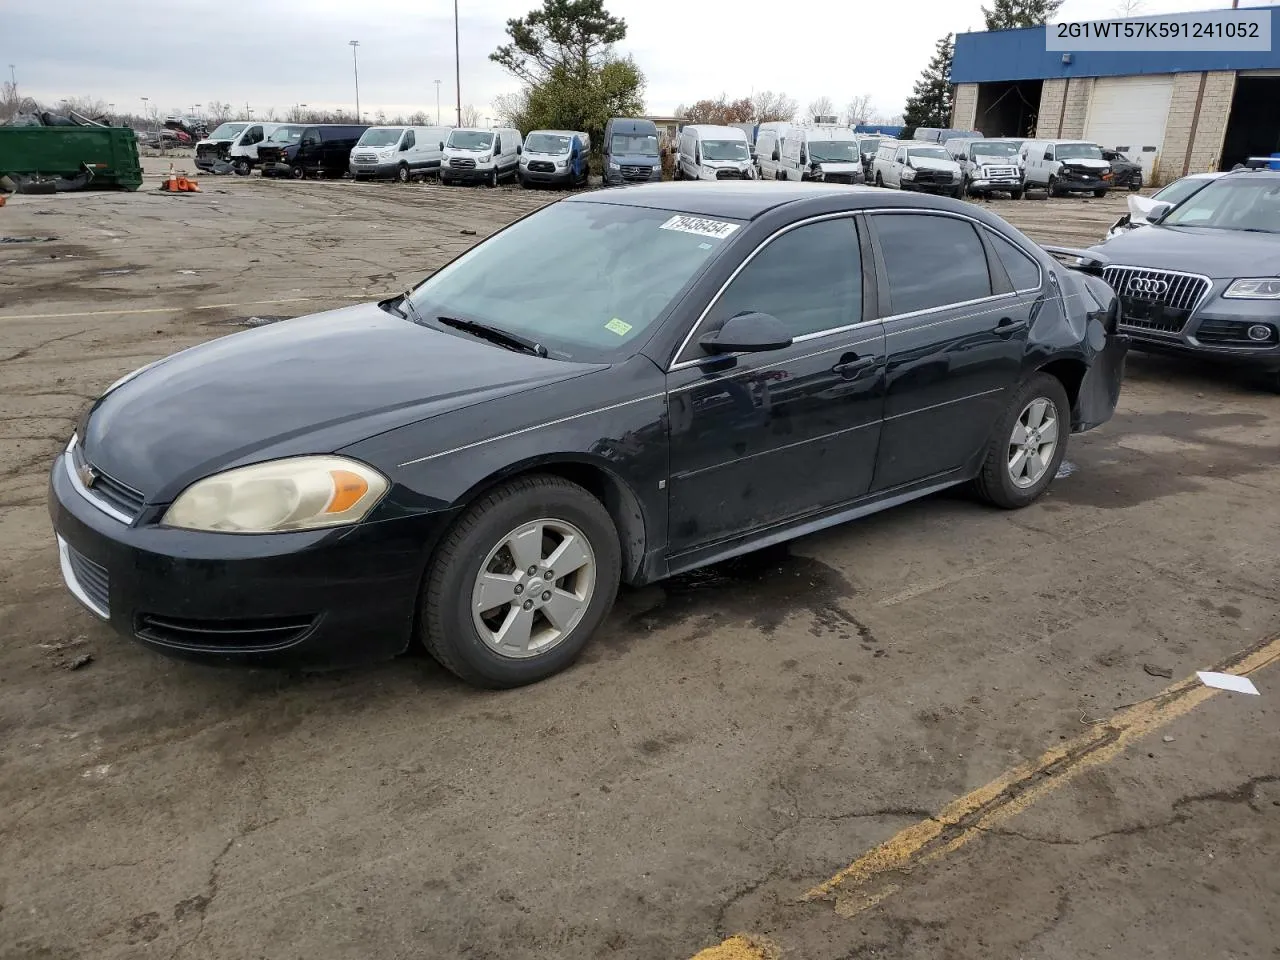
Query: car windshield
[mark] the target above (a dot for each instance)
(833, 151)
(287, 135)
(470, 140)
(1078, 151)
(582, 279)
(927, 153)
(381, 137)
(1179, 190)
(725, 150)
(634, 145)
(552, 143)
(869, 146)
(227, 131)
(1232, 203)
(994, 148)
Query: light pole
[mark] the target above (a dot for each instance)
(146, 112)
(13, 78)
(457, 62)
(437, 103)
(355, 66)
(111, 112)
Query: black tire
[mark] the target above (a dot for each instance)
(879, 179)
(780, 174)
(958, 193)
(1135, 183)
(491, 181)
(445, 624)
(1015, 194)
(242, 167)
(993, 482)
(403, 173)
(298, 172)
(1099, 194)
(1051, 188)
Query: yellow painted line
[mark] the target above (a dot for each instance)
(739, 947)
(178, 309)
(877, 874)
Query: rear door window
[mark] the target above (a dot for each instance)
(1024, 273)
(931, 261)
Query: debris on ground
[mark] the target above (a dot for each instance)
(1156, 671)
(81, 661)
(740, 947)
(467, 233)
(27, 239)
(1227, 681)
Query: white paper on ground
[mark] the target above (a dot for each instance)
(1227, 681)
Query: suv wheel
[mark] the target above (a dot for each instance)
(879, 179)
(1027, 444)
(521, 582)
(297, 172)
(1051, 187)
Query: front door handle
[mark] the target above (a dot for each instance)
(851, 365)
(1008, 326)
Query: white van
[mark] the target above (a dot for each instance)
(828, 154)
(244, 149)
(1063, 166)
(912, 165)
(474, 155)
(708, 152)
(399, 152)
(769, 140)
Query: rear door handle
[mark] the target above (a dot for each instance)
(851, 365)
(1008, 326)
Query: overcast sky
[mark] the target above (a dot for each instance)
(283, 52)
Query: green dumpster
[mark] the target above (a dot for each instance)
(109, 153)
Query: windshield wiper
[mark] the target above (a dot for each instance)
(496, 335)
(408, 310)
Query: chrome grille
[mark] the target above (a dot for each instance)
(462, 163)
(364, 157)
(541, 166)
(730, 175)
(104, 491)
(636, 173)
(998, 173)
(1161, 301)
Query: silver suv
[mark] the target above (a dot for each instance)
(989, 165)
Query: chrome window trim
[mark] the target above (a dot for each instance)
(1208, 281)
(69, 577)
(715, 298)
(84, 491)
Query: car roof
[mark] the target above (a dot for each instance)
(749, 199)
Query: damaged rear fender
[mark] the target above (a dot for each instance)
(1093, 310)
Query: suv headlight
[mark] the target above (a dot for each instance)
(908, 173)
(298, 493)
(1265, 288)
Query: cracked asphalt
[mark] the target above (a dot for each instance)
(735, 738)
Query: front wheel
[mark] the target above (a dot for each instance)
(1027, 444)
(1051, 188)
(521, 582)
(242, 167)
(1015, 194)
(297, 172)
(402, 173)
(1099, 194)
(958, 193)
(879, 179)
(492, 179)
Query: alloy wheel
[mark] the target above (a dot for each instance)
(1033, 442)
(533, 588)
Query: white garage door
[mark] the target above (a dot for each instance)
(1129, 113)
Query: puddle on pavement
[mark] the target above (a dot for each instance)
(760, 590)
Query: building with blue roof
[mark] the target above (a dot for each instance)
(1178, 112)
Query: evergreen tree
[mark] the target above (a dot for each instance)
(930, 102)
(1007, 14)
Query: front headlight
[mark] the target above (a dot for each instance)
(561, 164)
(1265, 288)
(908, 173)
(614, 166)
(299, 493)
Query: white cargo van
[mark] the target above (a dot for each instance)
(397, 152)
(244, 149)
(769, 140)
(475, 155)
(828, 154)
(709, 152)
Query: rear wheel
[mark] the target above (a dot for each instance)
(879, 179)
(1015, 194)
(958, 193)
(1027, 444)
(521, 582)
(242, 167)
(1135, 183)
(1099, 193)
(402, 173)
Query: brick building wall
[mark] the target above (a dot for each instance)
(964, 108)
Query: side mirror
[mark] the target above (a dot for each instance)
(754, 156)
(1158, 211)
(519, 149)
(441, 145)
(775, 158)
(747, 333)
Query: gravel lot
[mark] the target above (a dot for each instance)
(734, 739)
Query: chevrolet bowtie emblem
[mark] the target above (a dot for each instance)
(88, 476)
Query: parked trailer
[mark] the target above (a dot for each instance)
(104, 157)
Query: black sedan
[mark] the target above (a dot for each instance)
(1124, 172)
(618, 387)
(1203, 280)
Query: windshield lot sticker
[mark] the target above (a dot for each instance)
(620, 327)
(716, 229)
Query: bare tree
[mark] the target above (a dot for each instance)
(512, 108)
(418, 119)
(470, 116)
(218, 111)
(858, 110)
(768, 105)
(821, 107)
(1129, 8)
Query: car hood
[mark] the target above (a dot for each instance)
(310, 385)
(839, 166)
(990, 161)
(929, 163)
(1086, 163)
(1218, 254)
(529, 155)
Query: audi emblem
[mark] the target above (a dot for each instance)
(1147, 285)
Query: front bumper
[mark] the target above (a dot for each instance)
(995, 185)
(314, 599)
(550, 178)
(1219, 332)
(383, 168)
(1081, 182)
(930, 186)
(617, 178)
(465, 174)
